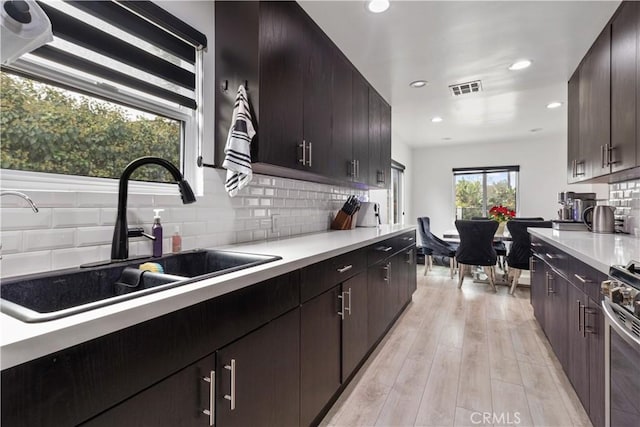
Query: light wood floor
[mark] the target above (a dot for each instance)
(454, 355)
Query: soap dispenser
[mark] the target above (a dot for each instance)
(156, 231)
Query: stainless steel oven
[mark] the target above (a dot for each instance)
(621, 307)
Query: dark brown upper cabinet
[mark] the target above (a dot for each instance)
(603, 117)
(595, 113)
(305, 95)
(624, 88)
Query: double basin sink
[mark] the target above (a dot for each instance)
(52, 295)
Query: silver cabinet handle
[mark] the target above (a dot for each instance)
(582, 279)
(303, 147)
(341, 298)
(549, 288)
(387, 269)
(602, 156)
(211, 379)
(579, 315)
(232, 397)
(352, 166)
(384, 249)
(552, 256)
(581, 162)
(532, 264)
(610, 160)
(345, 268)
(310, 153)
(357, 168)
(536, 244)
(349, 305)
(409, 239)
(574, 168)
(587, 329)
(410, 256)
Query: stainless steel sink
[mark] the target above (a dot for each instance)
(46, 296)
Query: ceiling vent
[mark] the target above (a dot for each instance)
(464, 88)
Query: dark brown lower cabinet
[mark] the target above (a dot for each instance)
(578, 343)
(258, 376)
(320, 330)
(565, 305)
(354, 325)
(407, 281)
(378, 279)
(174, 402)
(555, 313)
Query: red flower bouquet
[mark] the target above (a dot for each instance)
(501, 213)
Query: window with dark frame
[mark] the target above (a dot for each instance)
(478, 189)
(119, 81)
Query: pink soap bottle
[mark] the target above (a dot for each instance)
(176, 240)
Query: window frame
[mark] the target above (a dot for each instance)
(484, 170)
(190, 143)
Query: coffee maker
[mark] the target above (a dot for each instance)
(572, 205)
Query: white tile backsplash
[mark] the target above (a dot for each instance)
(625, 197)
(77, 227)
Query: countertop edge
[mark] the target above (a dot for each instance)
(23, 342)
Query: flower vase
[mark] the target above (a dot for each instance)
(500, 230)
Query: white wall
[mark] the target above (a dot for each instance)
(542, 175)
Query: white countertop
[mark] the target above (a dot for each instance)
(600, 251)
(21, 342)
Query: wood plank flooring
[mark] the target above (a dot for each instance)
(466, 357)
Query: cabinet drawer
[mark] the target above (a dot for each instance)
(404, 241)
(586, 278)
(550, 254)
(320, 277)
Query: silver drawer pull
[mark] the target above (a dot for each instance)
(345, 268)
(582, 279)
(232, 396)
(211, 379)
(384, 249)
(551, 256)
(407, 238)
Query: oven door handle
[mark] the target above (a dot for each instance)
(613, 321)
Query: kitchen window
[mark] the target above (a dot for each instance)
(120, 80)
(478, 189)
(397, 193)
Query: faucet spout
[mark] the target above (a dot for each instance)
(22, 195)
(120, 243)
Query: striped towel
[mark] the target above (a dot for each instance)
(237, 160)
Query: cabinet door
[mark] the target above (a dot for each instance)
(575, 160)
(555, 311)
(377, 283)
(624, 39)
(320, 353)
(174, 402)
(385, 144)
(258, 376)
(282, 36)
(538, 289)
(408, 278)
(318, 100)
(595, 120)
(594, 323)
(375, 139)
(354, 326)
(341, 142)
(578, 349)
(396, 278)
(360, 126)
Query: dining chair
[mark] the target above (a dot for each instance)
(436, 245)
(520, 252)
(476, 248)
(500, 247)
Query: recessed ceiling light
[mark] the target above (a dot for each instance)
(554, 104)
(418, 83)
(436, 119)
(377, 6)
(520, 65)
(535, 130)
(446, 138)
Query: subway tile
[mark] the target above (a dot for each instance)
(259, 234)
(108, 216)
(256, 191)
(193, 228)
(183, 214)
(270, 192)
(251, 201)
(25, 219)
(92, 236)
(266, 202)
(35, 240)
(67, 258)
(11, 242)
(259, 212)
(244, 236)
(25, 263)
(251, 224)
(206, 241)
(42, 199)
(64, 217)
(189, 243)
(95, 199)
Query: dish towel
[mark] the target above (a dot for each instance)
(237, 160)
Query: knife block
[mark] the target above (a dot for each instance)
(343, 221)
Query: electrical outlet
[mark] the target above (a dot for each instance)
(275, 223)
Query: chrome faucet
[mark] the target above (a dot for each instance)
(121, 233)
(19, 194)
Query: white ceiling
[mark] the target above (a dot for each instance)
(447, 42)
